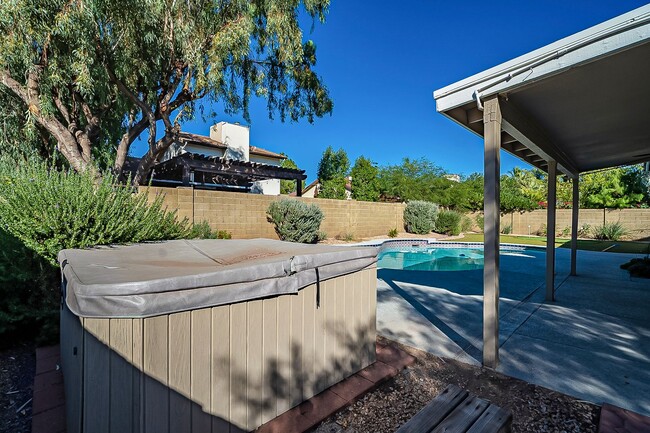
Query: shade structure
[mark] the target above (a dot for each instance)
(576, 105)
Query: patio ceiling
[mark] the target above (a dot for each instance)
(583, 101)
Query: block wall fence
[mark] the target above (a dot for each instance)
(635, 221)
(244, 215)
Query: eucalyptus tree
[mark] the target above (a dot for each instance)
(98, 74)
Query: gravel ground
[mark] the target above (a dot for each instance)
(534, 408)
(17, 369)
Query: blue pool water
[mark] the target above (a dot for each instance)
(442, 259)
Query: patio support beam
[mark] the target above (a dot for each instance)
(575, 209)
(550, 231)
(492, 135)
(533, 136)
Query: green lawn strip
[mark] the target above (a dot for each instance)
(583, 244)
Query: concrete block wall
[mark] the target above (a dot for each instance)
(636, 221)
(244, 215)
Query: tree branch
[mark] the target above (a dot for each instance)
(67, 143)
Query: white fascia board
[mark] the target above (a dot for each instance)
(604, 39)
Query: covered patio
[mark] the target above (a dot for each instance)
(574, 106)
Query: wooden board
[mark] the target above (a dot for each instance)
(436, 411)
(97, 376)
(180, 410)
(462, 418)
(220, 368)
(121, 374)
(494, 419)
(156, 392)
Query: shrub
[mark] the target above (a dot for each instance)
(29, 289)
(466, 224)
(392, 233)
(49, 210)
(542, 230)
(506, 229)
(584, 230)
(420, 217)
(566, 232)
(347, 237)
(44, 210)
(480, 222)
(609, 232)
(322, 236)
(202, 230)
(224, 234)
(295, 221)
(448, 222)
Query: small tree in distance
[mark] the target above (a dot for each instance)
(365, 184)
(289, 186)
(332, 170)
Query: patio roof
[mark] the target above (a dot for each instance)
(576, 105)
(581, 101)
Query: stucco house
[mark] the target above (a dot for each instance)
(230, 141)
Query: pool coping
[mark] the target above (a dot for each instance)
(405, 243)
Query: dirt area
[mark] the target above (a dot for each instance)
(534, 408)
(17, 369)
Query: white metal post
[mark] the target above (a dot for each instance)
(492, 136)
(574, 224)
(550, 231)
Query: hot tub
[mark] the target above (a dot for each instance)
(210, 335)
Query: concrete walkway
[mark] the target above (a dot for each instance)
(592, 343)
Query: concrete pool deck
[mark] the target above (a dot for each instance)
(592, 343)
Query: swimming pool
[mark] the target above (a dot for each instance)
(438, 258)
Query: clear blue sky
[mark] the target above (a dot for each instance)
(382, 60)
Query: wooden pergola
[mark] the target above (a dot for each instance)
(217, 173)
(577, 105)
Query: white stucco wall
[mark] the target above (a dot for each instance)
(236, 137)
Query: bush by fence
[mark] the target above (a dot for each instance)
(420, 217)
(295, 221)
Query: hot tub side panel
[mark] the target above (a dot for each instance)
(227, 368)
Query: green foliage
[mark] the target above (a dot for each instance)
(420, 217)
(480, 221)
(365, 183)
(29, 289)
(322, 236)
(566, 232)
(333, 188)
(333, 165)
(413, 180)
(332, 171)
(202, 230)
(100, 67)
(448, 222)
(615, 188)
(224, 234)
(295, 221)
(506, 229)
(584, 230)
(466, 224)
(638, 267)
(289, 186)
(347, 237)
(513, 198)
(392, 233)
(609, 231)
(49, 210)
